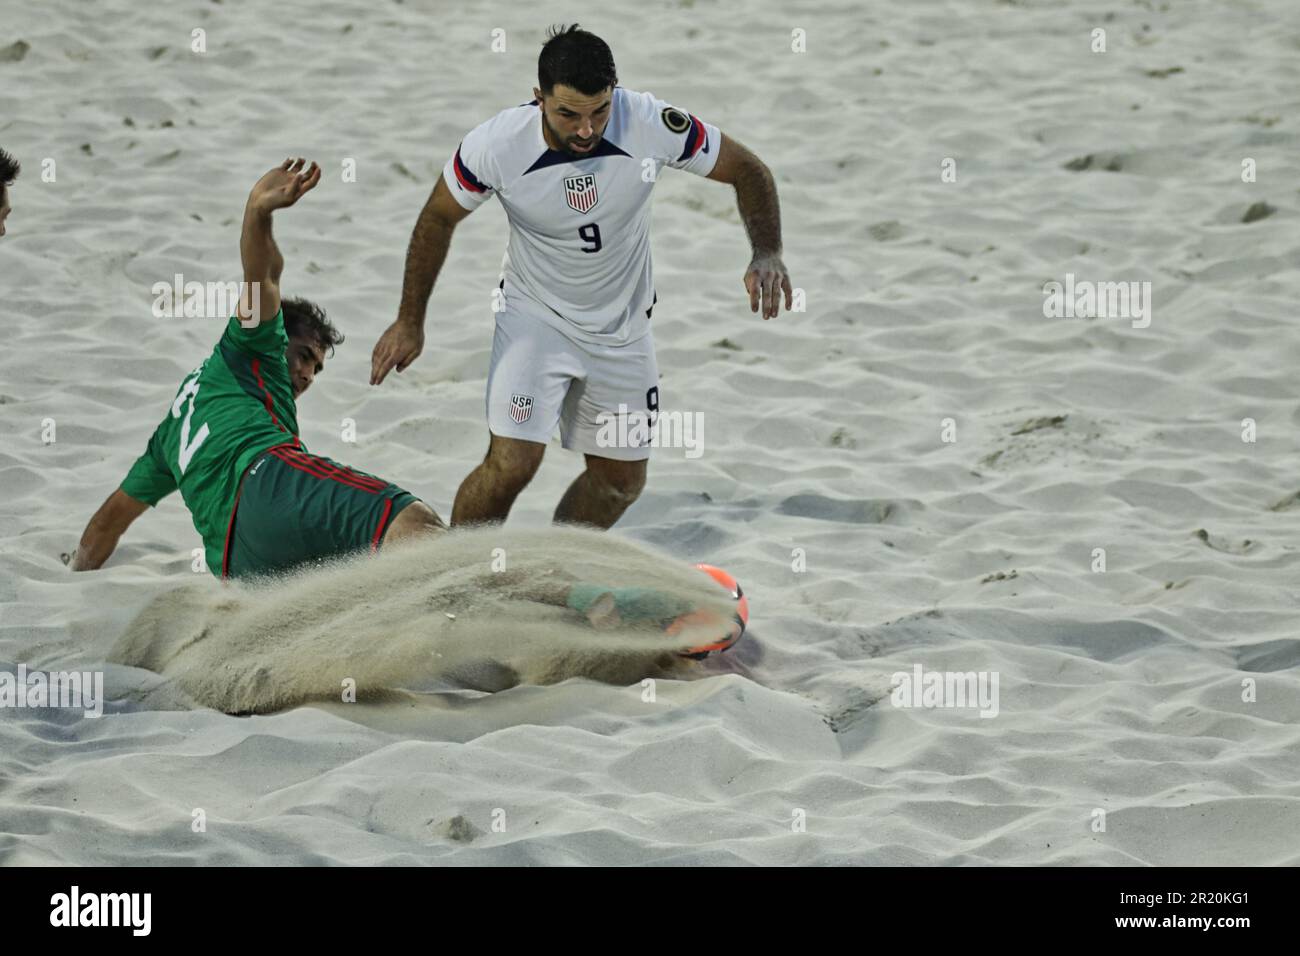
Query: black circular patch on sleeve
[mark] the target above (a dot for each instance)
(675, 119)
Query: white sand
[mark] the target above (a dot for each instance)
(1119, 691)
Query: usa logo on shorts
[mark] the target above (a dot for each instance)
(580, 192)
(521, 408)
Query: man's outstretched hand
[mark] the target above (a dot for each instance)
(398, 347)
(284, 185)
(765, 280)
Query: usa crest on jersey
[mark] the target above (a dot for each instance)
(580, 192)
(521, 408)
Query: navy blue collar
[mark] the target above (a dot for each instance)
(555, 157)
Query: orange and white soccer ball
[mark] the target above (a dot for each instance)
(715, 633)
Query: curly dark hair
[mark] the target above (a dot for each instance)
(576, 58)
(9, 170)
(306, 319)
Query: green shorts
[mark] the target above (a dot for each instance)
(295, 508)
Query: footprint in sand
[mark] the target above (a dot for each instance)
(1219, 544)
(848, 511)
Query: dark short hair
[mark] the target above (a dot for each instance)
(306, 319)
(9, 170)
(576, 58)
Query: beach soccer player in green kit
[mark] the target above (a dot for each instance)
(229, 443)
(261, 502)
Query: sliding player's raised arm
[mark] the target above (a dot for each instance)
(280, 188)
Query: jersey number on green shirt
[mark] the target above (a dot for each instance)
(188, 448)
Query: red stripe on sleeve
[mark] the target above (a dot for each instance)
(701, 134)
(465, 177)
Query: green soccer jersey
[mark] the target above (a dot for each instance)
(238, 403)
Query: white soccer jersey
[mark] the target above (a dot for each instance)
(580, 226)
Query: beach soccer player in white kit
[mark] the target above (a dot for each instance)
(575, 169)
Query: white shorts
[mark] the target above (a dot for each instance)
(539, 378)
